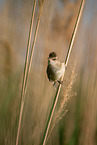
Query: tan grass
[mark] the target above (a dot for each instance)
(89, 88)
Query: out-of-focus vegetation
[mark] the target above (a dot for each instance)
(79, 125)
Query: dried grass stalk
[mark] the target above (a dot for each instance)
(28, 61)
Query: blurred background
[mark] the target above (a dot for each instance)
(79, 125)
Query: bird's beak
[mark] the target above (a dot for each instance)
(56, 57)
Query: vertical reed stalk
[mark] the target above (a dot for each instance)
(25, 71)
(66, 62)
(28, 49)
(33, 44)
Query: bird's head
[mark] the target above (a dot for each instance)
(52, 56)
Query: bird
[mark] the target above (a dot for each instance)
(55, 68)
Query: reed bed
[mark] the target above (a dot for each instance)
(79, 125)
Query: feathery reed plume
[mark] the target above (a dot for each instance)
(28, 64)
(66, 62)
(67, 94)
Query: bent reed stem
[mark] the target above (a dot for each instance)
(66, 62)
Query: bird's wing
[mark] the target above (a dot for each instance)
(49, 73)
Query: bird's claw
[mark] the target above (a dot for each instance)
(54, 83)
(60, 82)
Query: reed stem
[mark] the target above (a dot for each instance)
(25, 72)
(66, 62)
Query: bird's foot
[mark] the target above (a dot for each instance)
(54, 83)
(60, 82)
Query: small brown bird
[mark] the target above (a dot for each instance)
(55, 68)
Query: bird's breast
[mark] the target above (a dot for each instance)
(55, 70)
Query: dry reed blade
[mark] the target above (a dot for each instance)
(25, 71)
(66, 62)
